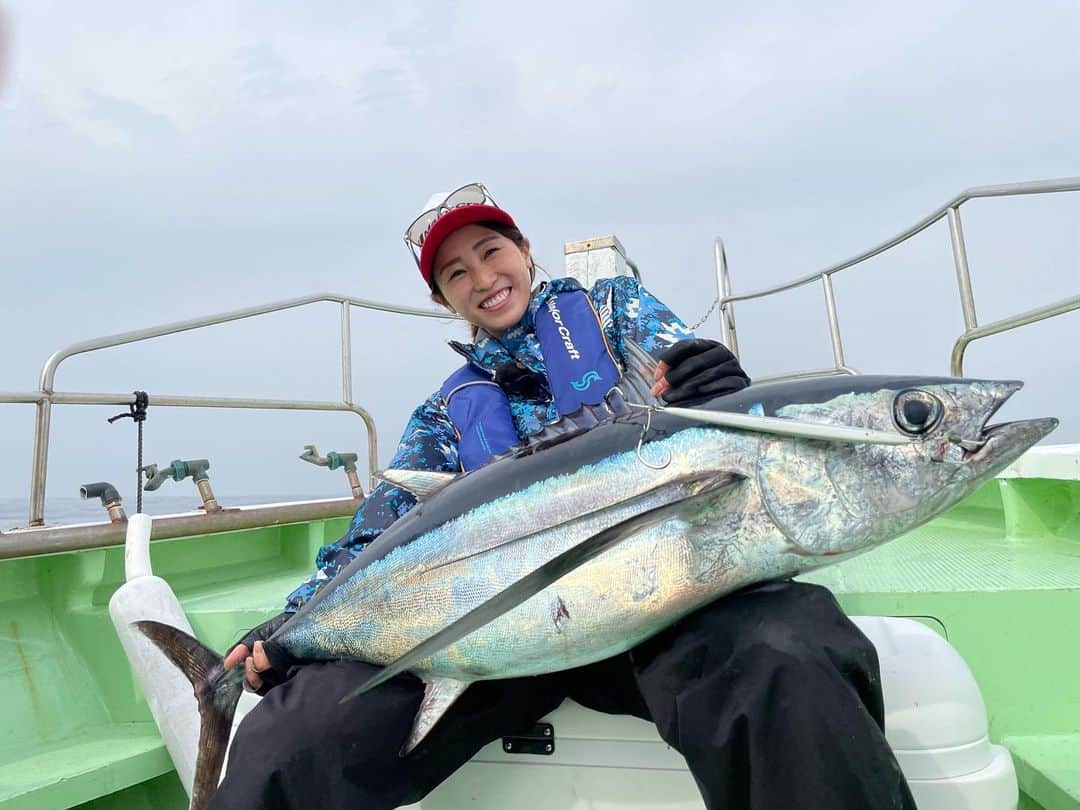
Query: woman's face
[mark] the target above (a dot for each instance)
(484, 277)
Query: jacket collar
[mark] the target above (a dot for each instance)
(518, 343)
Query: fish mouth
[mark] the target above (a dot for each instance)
(1003, 443)
(995, 446)
(979, 447)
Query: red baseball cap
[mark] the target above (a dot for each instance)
(444, 214)
(450, 222)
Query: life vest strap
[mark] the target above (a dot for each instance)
(581, 369)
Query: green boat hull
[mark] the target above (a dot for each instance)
(998, 576)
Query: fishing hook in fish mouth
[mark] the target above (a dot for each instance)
(641, 439)
(971, 445)
(956, 450)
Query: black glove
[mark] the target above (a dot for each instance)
(701, 368)
(270, 677)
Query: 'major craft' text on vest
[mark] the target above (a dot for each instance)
(580, 371)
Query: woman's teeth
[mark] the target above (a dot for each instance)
(496, 299)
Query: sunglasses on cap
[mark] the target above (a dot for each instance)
(471, 194)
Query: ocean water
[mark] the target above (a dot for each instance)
(60, 511)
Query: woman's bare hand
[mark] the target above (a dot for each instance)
(255, 662)
(660, 375)
(249, 650)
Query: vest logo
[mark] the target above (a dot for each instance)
(583, 384)
(564, 332)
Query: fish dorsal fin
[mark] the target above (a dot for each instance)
(421, 483)
(439, 695)
(637, 379)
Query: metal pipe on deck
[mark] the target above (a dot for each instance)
(33, 542)
(44, 404)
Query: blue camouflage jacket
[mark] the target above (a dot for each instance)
(430, 441)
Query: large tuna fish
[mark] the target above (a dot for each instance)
(615, 523)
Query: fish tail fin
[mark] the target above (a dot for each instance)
(217, 691)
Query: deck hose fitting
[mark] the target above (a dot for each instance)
(109, 496)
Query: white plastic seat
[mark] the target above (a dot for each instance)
(935, 720)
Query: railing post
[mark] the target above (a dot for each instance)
(834, 321)
(963, 274)
(39, 464)
(723, 288)
(346, 354)
(956, 360)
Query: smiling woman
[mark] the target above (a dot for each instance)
(724, 686)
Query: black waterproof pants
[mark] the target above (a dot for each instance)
(771, 694)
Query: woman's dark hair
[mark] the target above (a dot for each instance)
(511, 233)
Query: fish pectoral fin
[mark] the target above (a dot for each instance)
(700, 489)
(421, 483)
(783, 426)
(439, 695)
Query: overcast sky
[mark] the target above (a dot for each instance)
(165, 161)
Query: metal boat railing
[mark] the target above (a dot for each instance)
(950, 211)
(46, 396)
(61, 538)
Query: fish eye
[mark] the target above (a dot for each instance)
(916, 412)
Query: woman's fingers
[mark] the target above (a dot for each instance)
(236, 655)
(253, 678)
(662, 384)
(255, 664)
(262, 663)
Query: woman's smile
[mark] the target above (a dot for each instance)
(497, 300)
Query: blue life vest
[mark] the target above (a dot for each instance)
(580, 371)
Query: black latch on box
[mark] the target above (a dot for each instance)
(540, 739)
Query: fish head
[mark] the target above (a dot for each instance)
(833, 497)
